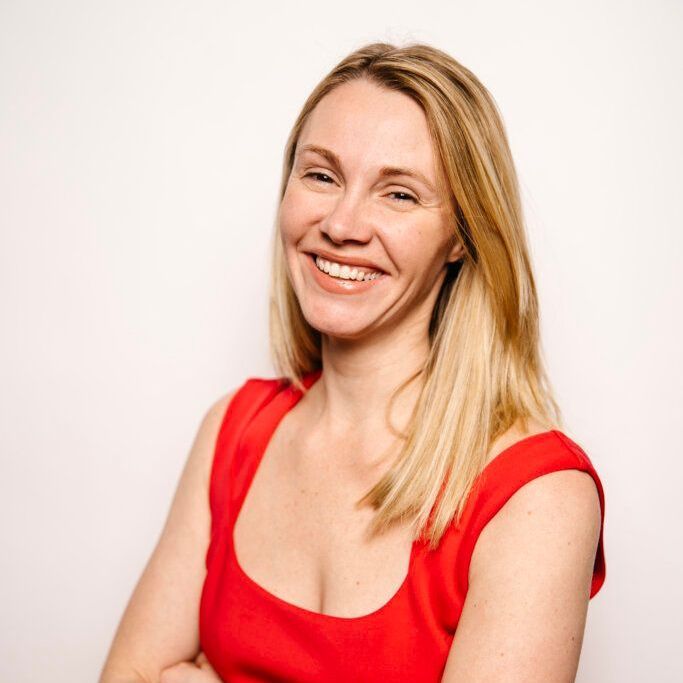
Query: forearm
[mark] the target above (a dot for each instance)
(110, 675)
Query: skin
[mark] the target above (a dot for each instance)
(530, 572)
(374, 340)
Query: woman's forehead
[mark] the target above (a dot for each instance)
(367, 125)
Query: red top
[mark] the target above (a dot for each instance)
(249, 634)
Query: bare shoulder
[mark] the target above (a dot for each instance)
(207, 433)
(560, 507)
(530, 578)
(216, 410)
(561, 502)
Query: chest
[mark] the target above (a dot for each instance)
(300, 536)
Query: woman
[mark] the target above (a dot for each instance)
(406, 472)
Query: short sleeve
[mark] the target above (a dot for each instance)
(511, 469)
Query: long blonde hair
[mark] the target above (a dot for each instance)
(484, 371)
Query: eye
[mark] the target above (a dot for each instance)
(318, 173)
(407, 197)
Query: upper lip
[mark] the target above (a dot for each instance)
(354, 261)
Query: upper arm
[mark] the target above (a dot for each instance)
(529, 584)
(160, 626)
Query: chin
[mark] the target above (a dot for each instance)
(337, 326)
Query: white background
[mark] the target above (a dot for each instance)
(140, 154)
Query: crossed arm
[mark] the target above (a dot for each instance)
(522, 621)
(160, 625)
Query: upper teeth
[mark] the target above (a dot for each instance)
(344, 271)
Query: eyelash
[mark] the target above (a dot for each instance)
(408, 196)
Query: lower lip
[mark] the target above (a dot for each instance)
(337, 285)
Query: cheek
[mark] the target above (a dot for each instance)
(288, 221)
(406, 245)
(415, 251)
(295, 214)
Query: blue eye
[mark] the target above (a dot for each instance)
(405, 196)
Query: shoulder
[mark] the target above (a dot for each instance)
(542, 483)
(219, 409)
(251, 387)
(205, 439)
(559, 502)
(554, 506)
(216, 410)
(537, 560)
(514, 435)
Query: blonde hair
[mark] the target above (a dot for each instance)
(484, 371)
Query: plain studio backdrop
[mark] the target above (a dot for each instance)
(140, 155)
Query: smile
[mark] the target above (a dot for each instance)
(342, 278)
(345, 272)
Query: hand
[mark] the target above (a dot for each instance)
(199, 671)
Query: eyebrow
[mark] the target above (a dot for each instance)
(385, 171)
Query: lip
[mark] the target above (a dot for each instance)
(358, 261)
(337, 285)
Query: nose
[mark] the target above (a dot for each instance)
(346, 221)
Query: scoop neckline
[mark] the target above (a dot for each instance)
(292, 395)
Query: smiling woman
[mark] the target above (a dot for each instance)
(400, 502)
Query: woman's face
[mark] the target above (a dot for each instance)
(344, 203)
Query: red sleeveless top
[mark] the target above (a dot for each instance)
(249, 634)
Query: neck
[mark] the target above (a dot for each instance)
(359, 379)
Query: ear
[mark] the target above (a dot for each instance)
(456, 253)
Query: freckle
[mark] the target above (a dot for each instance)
(502, 654)
(528, 512)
